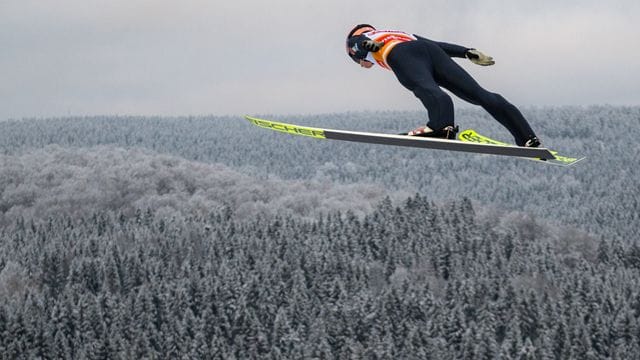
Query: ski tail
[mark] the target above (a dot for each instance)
(471, 135)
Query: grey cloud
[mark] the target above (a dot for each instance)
(199, 57)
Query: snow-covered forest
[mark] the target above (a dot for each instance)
(205, 237)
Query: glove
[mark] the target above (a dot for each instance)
(372, 46)
(477, 57)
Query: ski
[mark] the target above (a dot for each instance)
(403, 140)
(471, 136)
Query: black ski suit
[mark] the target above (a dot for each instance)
(423, 66)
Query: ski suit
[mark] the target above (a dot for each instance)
(423, 66)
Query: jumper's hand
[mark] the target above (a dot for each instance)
(477, 57)
(371, 45)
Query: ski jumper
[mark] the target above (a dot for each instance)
(423, 66)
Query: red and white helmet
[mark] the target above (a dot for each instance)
(353, 51)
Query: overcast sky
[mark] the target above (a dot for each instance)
(196, 57)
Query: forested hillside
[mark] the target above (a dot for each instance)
(596, 195)
(56, 181)
(128, 237)
(417, 281)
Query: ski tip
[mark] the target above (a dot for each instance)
(287, 128)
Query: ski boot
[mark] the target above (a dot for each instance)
(532, 142)
(447, 132)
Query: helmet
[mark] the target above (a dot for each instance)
(354, 53)
(360, 29)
